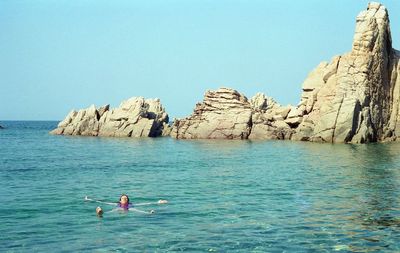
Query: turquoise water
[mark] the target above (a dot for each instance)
(224, 196)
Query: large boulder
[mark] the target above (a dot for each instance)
(227, 114)
(224, 114)
(135, 117)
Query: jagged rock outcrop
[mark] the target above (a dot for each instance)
(135, 117)
(224, 114)
(269, 119)
(355, 97)
(227, 114)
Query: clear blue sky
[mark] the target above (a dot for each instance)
(60, 55)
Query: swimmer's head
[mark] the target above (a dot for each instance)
(99, 211)
(124, 199)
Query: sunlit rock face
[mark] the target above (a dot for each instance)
(227, 114)
(354, 98)
(135, 117)
(223, 114)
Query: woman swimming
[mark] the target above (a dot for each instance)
(124, 204)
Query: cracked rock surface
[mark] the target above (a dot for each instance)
(223, 114)
(227, 114)
(354, 98)
(135, 117)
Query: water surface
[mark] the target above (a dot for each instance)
(224, 196)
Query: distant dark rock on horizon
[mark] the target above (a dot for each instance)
(135, 117)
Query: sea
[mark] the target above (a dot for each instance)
(223, 195)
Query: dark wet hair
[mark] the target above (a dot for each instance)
(122, 196)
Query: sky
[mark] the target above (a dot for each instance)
(68, 54)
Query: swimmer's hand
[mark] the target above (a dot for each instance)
(162, 201)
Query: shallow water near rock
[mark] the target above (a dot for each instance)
(224, 196)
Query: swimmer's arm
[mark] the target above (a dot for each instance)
(161, 201)
(98, 201)
(140, 211)
(145, 204)
(113, 210)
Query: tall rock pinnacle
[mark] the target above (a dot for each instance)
(372, 30)
(353, 96)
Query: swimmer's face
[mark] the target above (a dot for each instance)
(124, 200)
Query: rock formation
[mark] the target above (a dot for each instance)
(269, 119)
(224, 114)
(227, 114)
(354, 98)
(135, 117)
